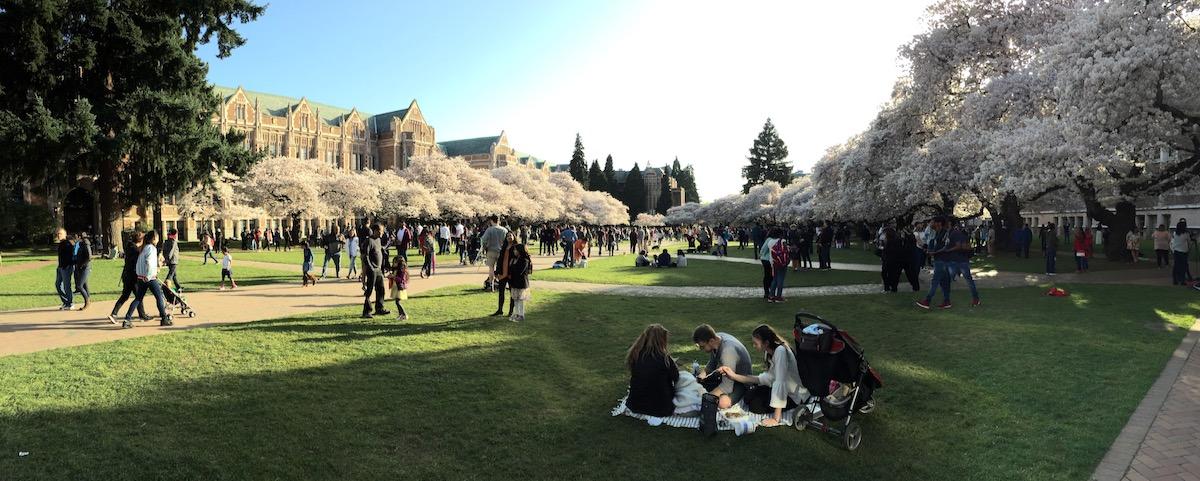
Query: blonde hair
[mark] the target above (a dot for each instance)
(652, 339)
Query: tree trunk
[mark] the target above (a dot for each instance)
(1006, 222)
(1118, 223)
(110, 205)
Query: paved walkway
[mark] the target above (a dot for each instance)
(1160, 442)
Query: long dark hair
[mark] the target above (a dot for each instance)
(767, 334)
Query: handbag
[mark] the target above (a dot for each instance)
(711, 381)
(708, 414)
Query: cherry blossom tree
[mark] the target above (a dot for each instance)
(648, 220)
(685, 214)
(286, 187)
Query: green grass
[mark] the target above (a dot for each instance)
(21, 256)
(992, 393)
(701, 271)
(35, 287)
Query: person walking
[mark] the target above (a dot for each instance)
(171, 259)
(306, 266)
(520, 266)
(428, 246)
(777, 251)
(83, 268)
(333, 243)
(227, 269)
(398, 283)
(147, 275)
(950, 249)
(1133, 242)
(352, 249)
(373, 274)
(503, 280)
(66, 271)
(1082, 246)
(492, 243)
(207, 242)
(824, 244)
(129, 278)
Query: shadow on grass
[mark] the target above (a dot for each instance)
(1036, 389)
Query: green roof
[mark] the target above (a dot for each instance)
(278, 105)
(479, 145)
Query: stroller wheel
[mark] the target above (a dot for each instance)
(853, 436)
(868, 406)
(803, 417)
(191, 313)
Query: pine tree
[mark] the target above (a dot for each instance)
(596, 179)
(767, 160)
(686, 178)
(664, 196)
(675, 166)
(610, 176)
(634, 195)
(114, 91)
(578, 166)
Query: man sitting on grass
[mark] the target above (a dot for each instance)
(663, 260)
(642, 260)
(725, 350)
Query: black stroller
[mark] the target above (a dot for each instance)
(176, 300)
(825, 353)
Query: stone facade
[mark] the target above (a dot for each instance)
(491, 153)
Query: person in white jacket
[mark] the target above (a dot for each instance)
(779, 388)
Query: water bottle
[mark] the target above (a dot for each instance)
(696, 368)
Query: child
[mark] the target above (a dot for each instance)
(519, 268)
(306, 270)
(399, 285)
(227, 269)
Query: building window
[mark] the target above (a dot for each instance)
(303, 153)
(304, 121)
(274, 150)
(241, 113)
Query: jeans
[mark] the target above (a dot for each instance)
(81, 282)
(128, 287)
(941, 278)
(353, 266)
(823, 257)
(1179, 273)
(953, 269)
(779, 273)
(427, 267)
(154, 288)
(337, 264)
(1081, 262)
(1163, 256)
(1051, 257)
(171, 277)
(62, 284)
(768, 278)
(209, 253)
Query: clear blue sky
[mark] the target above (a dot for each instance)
(645, 81)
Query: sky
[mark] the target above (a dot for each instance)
(645, 81)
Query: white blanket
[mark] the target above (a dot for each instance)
(736, 418)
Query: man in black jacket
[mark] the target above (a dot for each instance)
(373, 273)
(170, 253)
(66, 271)
(129, 278)
(83, 268)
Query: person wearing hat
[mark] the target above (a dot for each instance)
(171, 258)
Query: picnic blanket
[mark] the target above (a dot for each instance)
(737, 418)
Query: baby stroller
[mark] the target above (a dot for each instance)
(837, 375)
(176, 300)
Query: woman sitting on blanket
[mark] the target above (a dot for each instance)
(779, 388)
(652, 374)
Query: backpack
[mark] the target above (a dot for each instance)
(708, 414)
(779, 253)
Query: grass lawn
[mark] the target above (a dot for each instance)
(992, 393)
(21, 256)
(702, 270)
(35, 287)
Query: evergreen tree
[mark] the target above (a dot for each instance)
(596, 179)
(610, 176)
(664, 196)
(114, 91)
(675, 166)
(767, 160)
(686, 178)
(634, 195)
(578, 166)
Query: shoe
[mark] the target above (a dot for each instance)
(222, 288)
(144, 318)
(382, 312)
(366, 315)
(944, 305)
(771, 299)
(168, 321)
(923, 304)
(126, 325)
(401, 317)
(515, 319)
(780, 299)
(112, 318)
(1051, 274)
(233, 286)
(86, 303)
(975, 302)
(69, 307)
(498, 313)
